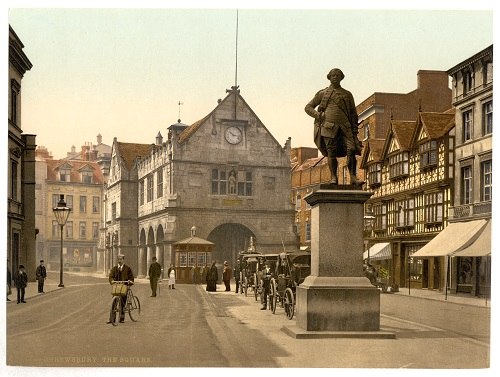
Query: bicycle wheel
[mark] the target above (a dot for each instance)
(289, 303)
(134, 308)
(114, 314)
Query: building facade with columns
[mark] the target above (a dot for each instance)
(225, 174)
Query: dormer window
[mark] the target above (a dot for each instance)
(87, 176)
(65, 175)
(428, 152)
(399, 165)
(375, 174)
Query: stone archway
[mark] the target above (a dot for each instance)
(229, 240)
(142, 253)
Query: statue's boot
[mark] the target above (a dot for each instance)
(333, 165)
(351, 165)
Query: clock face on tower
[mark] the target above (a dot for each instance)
(233, 135)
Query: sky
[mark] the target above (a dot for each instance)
(122, 72)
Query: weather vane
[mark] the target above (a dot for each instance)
(179, 118)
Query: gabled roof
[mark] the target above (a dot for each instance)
(373, 148)
(399, 135)
(311, 162)
(434, 125)
(54, 166)
(188, 132)
(130, 151)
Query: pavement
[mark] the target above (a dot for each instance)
(52, 284)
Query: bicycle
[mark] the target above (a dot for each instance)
(132, 303)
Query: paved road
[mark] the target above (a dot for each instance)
(189, 327)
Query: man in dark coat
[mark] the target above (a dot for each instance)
(21, 281)
(121, 272)
(212, 277)
(41, 275)
(226, 276)
(154, 275)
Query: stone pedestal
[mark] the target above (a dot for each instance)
(336, 299)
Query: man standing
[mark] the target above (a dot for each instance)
(266, 283)
(41, 275)
(154, 275)
(21, 281)
(336, 125)
(121, 272)
(226, 276)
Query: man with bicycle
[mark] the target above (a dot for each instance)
(121, 272)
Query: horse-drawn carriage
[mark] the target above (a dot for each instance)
(249, 267)
(290, 271)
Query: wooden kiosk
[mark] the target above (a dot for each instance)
(191, 256)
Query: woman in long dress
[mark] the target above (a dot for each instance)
(212, 277)
(171, 277)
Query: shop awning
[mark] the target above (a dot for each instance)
(480, 247)
(379, 251)
(456, 236)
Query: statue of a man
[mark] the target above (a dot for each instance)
(336, 125)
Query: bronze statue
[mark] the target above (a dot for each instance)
(336, 125)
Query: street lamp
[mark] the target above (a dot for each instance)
(61, 212)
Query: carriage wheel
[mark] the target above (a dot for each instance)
(289, 303)
(255, 286)
(272, 296)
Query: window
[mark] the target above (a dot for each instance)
(191, 259)
(433, 208)
(55, 229)
(375, 174)
(399, 165)
(486, 180)
(141, 192)
(87, 176)
(298, 203)
(467, 125)
(466, 192)
(113, 211)
(95, 204)
(488, 118)
(15, 88)
(245, 183)
(95, 230)
(159, 183)
(65, 175)
(416, 264)
(380, 213)
(468, 81)
(150, 188)
(428, 154)
(83, 204)
(201, 259)
(183, 259)
(366, 129)
(68, 228)
(83, 230)
(13, 180)
(219, 182)
(405, 213)
(55, 200)
(308, 231)
(69, 201)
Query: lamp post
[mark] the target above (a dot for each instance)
(61, 212)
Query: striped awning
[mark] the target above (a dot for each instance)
(379, 251)
(480, 247)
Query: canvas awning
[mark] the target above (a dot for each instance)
(480, 247)
(456, 236)
(379, 251)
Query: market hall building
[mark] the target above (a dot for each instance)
(225, 174)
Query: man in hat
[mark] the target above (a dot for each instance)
(41, 275)
(226, 276)
(154, 275)
(121, 272)
(266, 284)
(336, 125)
(21, 281)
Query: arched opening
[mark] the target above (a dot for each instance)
(229, 240)
(160, 249)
